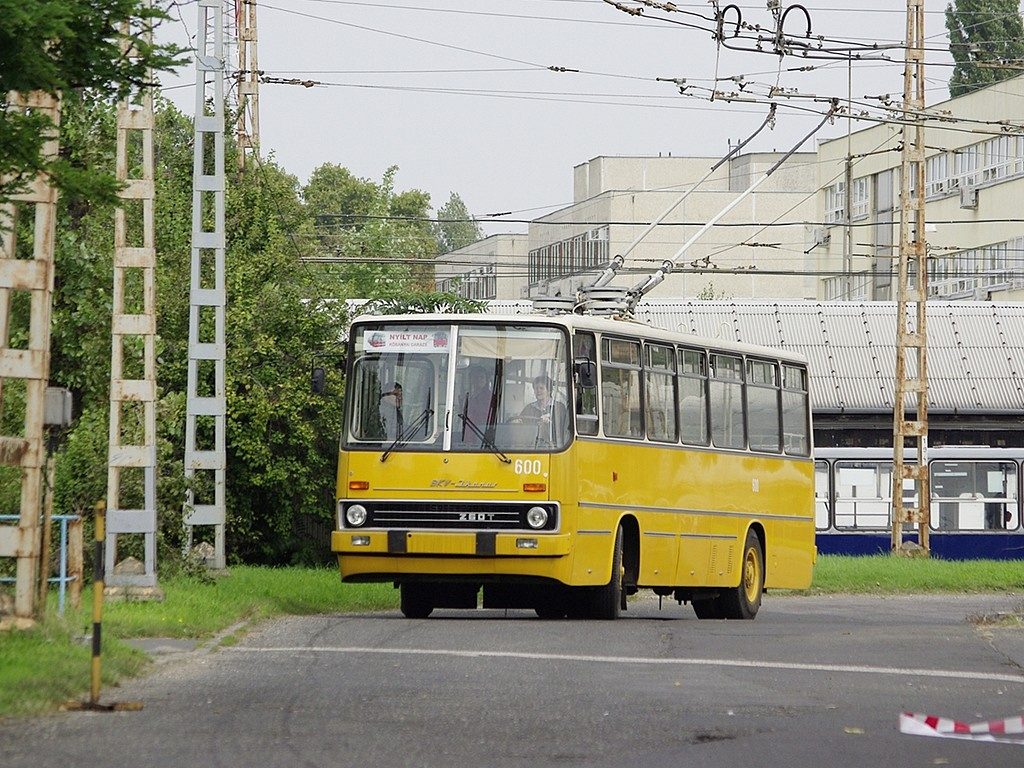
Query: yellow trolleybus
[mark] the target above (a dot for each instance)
(560, 463)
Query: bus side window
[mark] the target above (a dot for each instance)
(693, 399)
(620, 388)
(728, 428)
(660, 392)
(796, 411)
(764, 406)
(584, 348)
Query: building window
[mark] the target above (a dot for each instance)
(855, 287)
(1000, 158)
(966, 162)
(859, 199)
(570, 256)
(962, 274)
(936, 175)
(835, 203)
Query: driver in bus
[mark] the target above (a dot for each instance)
(544, 410)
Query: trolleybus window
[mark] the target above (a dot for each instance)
(693, 397)
(521, 404)
(584, 348)
(864, 494)
(660, 392)
(727, 402)
(822, 495)
(399, 373)
(796, 411)
(974, 495)
(462, 387)
(620, 382)
(763, 406)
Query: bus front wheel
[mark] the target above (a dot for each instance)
(606, 601)
(417, 600)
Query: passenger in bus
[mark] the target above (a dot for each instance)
(479, 398)
(544, 410)
(391, 411)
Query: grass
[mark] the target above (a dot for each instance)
(884, 574)
(50, 664)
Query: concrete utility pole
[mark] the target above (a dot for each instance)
(206, 403)
(133, 331)
(27, 368)
(248, 82)
(912, 297)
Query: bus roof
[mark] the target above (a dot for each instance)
(598, 324)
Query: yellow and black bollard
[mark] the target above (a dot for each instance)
(99, 576)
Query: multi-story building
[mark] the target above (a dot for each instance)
(974, 184)
(492, 268)
(756, 249)
(824, 226)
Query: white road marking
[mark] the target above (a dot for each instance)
(742, 663)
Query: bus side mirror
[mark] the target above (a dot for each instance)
(586, 373)
(318, 382)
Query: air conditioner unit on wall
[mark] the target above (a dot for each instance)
(968, 196)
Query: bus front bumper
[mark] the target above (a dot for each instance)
(443, 544)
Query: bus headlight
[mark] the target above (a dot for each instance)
(355, 515)
(536, 517)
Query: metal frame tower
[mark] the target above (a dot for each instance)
(31, 363)
(133, 338)
(206, 407)
(912, 297)
(248, 82)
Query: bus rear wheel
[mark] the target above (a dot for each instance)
(709, 608)
(417, 600)
(743, 601)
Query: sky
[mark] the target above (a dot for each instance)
(468, 96)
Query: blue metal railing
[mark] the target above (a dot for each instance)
(62, 579)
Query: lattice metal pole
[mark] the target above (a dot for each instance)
(29, 364)
(205, 423)
(912, 298)
(133, 340)
(248, 128)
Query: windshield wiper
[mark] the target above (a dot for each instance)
(406, 434)
(484, 440)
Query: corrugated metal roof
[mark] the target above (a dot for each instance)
(975, 351)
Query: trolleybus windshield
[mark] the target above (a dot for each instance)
(467, 387)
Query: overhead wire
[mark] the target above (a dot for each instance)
(530, 65)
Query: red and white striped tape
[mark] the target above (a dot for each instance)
(944, 727)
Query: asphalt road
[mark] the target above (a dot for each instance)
(812, 681)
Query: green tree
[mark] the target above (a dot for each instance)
(281, 311)
(379, 236)
(60, 46)
(282, 441)
(455, 227)
(425, 302)
(986, 39)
